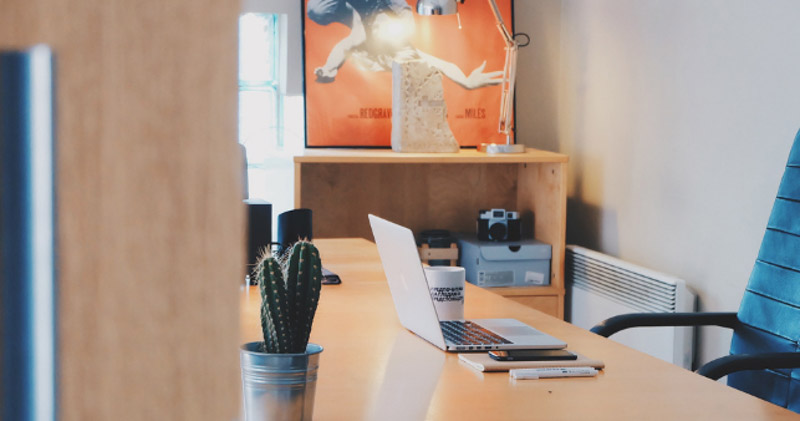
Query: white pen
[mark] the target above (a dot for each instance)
(551, 372)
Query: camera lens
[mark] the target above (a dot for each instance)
(497, 232)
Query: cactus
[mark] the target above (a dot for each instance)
(289, 297)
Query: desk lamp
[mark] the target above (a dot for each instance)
(449, 7)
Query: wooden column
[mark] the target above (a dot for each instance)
(150, 220)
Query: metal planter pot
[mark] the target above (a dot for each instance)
(278, 386)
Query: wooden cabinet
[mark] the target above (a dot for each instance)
(442, 190)
(150, 222)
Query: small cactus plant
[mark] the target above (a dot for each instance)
(289, 295)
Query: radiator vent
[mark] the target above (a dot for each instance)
(601, 286)
(622, 282)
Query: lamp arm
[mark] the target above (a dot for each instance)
(509, 74)
(508, 37)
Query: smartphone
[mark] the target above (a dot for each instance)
(533, 355)
(330, 278)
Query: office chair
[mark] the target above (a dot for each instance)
(766, 329)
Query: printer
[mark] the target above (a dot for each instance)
(504, 263)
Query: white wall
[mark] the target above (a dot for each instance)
(538, 72)
(678, 116)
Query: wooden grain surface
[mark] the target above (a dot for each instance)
(372, 368)
(387, 156)
(550, 305)
(419, 196)
(543, 189)
(150, 221)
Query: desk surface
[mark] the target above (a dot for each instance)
(372, 368)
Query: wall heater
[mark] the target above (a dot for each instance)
(600, 286)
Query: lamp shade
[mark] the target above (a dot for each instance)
(437, 7)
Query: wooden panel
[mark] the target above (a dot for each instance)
(542, 188)
(534, 290)
(548, 305)
(149, 211)
(387, 156)
(419, 196)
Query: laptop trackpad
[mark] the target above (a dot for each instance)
(508, 327)
(511, 331)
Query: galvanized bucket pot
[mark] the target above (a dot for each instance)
(278, 387)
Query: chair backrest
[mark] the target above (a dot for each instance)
(770, 309)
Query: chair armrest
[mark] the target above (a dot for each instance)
(733, 363)
(614, 324)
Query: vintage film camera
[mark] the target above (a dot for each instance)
(498, 225)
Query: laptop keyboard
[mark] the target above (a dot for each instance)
(457, 332)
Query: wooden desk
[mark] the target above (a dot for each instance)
(443, 191)
(372, 368)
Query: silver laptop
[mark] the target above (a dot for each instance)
(416, 311)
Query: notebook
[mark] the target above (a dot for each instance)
(415, 309)
(483, 362)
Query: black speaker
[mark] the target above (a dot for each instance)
(259, 230)
(245, 181)
(293, 225)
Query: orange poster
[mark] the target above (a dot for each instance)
(349, 48)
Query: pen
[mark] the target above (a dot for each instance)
(551, 372)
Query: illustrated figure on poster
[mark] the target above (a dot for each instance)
(380, 32)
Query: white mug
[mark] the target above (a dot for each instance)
(446, 284)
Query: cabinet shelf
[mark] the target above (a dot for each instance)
(440, 191)
(386, 156)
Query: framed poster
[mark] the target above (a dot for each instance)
(349, 46)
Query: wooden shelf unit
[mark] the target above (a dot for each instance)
(443, 191)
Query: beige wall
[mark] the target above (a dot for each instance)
(678, 117)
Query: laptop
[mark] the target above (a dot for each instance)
(415, 309)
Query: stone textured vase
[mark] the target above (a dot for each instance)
(419, 113)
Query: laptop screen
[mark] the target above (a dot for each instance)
(403, 269)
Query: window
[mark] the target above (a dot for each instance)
(259, 84)
(271, 126)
